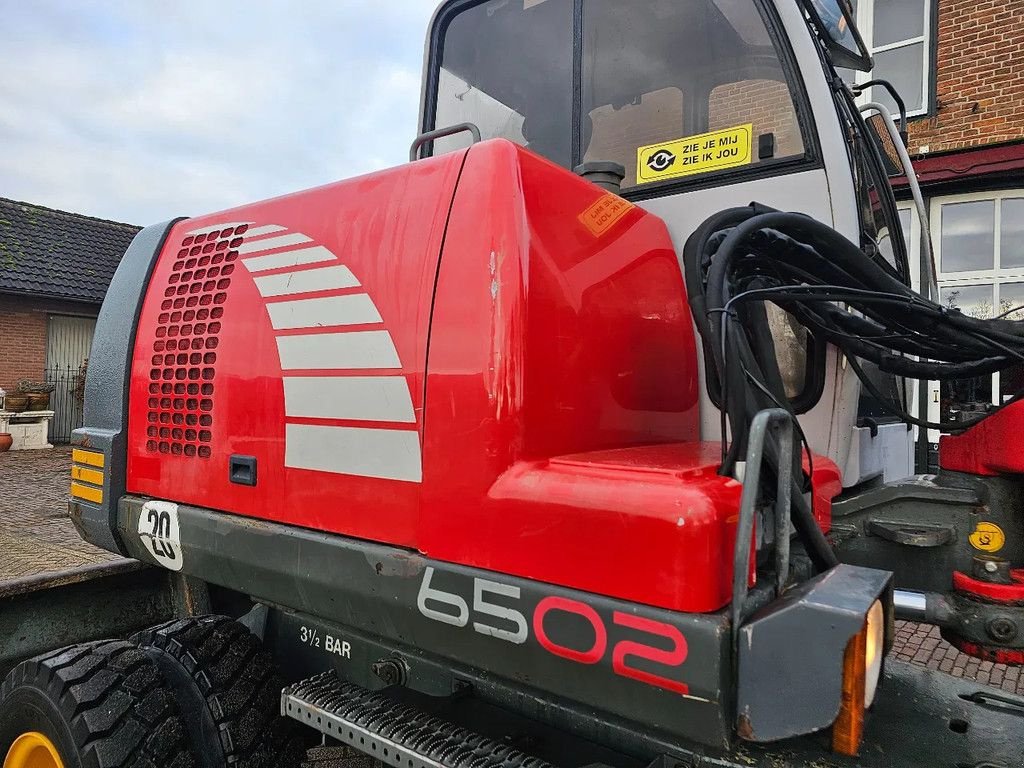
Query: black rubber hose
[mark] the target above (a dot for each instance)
(743, 257)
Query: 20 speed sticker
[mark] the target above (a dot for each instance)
(160, 533)
(988, 537)
(714, 151)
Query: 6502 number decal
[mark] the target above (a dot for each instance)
(633, 637)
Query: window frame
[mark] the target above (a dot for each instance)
(866, 24)
(811, 158)
(912, 239)
(994, 277)
(997, 272)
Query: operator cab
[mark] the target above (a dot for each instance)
(706, 104)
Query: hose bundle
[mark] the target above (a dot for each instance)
(743, 257)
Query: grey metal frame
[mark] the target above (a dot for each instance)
(777, 423)
(106, 386)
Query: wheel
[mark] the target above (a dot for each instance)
(96, 705)
(230, 691)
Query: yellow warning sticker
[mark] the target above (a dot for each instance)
(714, 151)
(988, 537)
(604, 212)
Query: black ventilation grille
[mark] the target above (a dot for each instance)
(184, 358)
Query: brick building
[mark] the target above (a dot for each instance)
(959, 66)
(54, 271)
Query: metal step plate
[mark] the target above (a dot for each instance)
(394, 733)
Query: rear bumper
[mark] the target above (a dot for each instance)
(583, 662)
(345, 604)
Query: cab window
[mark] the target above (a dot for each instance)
(661, 72)
(765, 103)
(650, 84)
(507, 67)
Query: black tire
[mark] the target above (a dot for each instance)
(102, 705)
(229, 690)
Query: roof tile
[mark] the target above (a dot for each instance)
(55, 253)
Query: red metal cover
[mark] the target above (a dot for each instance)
(993, 447)
(295, 331)
(480, 356)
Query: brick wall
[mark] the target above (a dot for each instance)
(22, 342)
(23, 329)
(980, 77)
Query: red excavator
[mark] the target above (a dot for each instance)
(560, 444)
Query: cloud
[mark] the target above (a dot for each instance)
(144, 111)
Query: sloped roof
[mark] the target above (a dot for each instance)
(45, 252)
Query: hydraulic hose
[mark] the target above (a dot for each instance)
(740, 258)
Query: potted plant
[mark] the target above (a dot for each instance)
(16, 403)
(37, 392)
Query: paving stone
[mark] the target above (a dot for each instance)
(36, 535)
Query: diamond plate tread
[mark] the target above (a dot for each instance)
(394, 732)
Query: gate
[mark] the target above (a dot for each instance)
(69, 341)
(66, 401)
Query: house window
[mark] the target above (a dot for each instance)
(979, 244)
(898, 34)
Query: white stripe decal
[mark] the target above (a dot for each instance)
(288, 259)
(338, 351)
(320, 279)
(361, 398)
(266, 229)
(295, 238)
(217, 227)
(391, 454)
(354, 309)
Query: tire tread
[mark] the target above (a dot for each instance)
(239, 682)
(118, 707)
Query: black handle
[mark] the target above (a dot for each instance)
(451, 130)
(242, 470)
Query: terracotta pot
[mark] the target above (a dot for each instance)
(6, 441)
(39, 401)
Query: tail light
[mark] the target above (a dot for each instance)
(862, 668)
(826, 638)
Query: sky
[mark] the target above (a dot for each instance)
(147, 110)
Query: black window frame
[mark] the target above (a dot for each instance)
(810, 160)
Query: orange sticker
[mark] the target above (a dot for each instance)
(604, 212)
